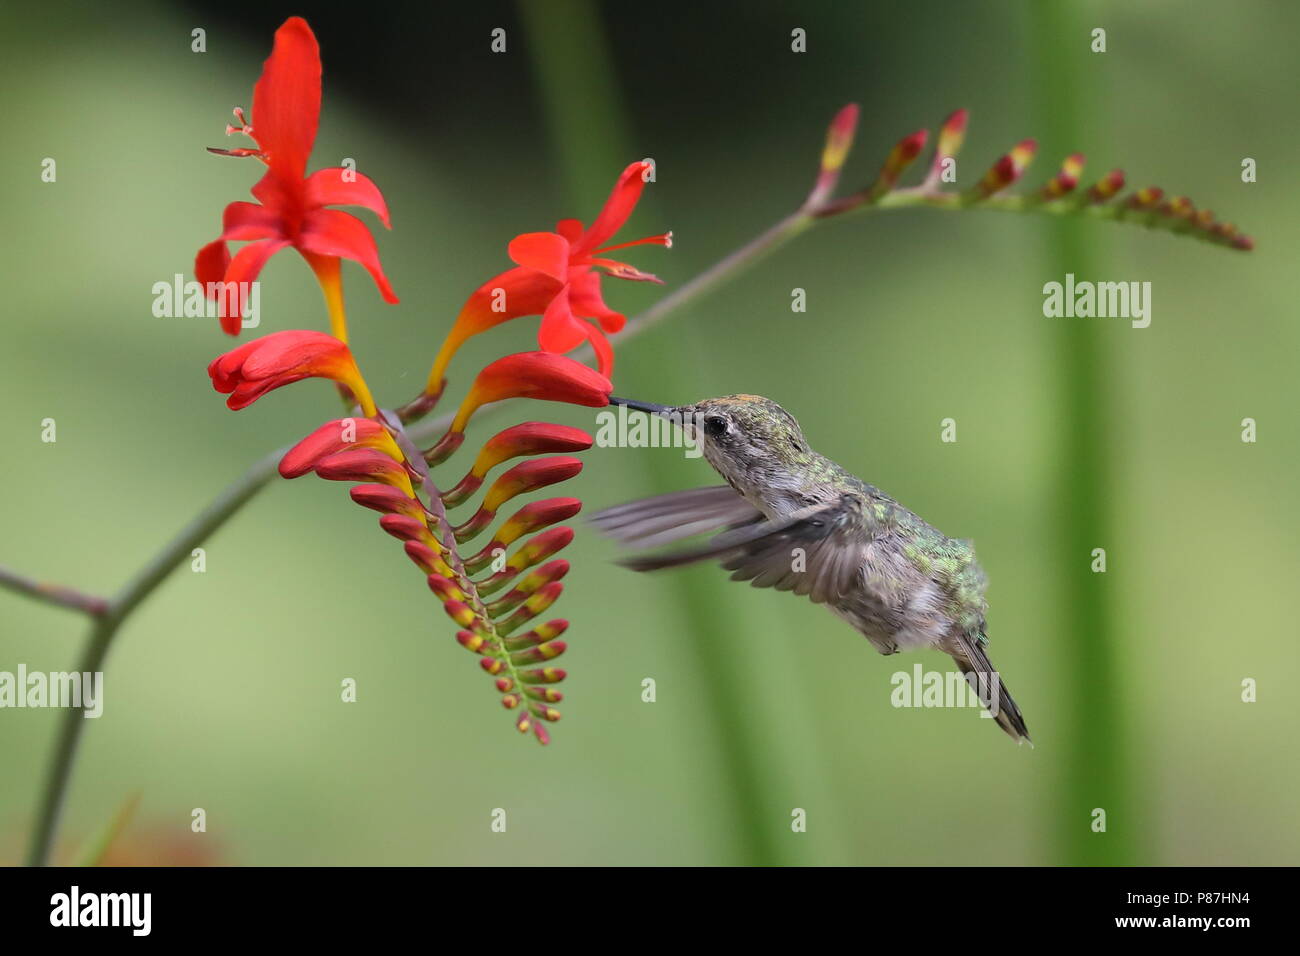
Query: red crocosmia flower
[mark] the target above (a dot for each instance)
(262, 365)
(541, 375)
(558, 276)
(286, 108)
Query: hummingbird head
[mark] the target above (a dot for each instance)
(751, 441)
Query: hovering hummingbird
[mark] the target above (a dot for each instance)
(792, 519)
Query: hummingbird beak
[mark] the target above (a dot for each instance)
(650, 408)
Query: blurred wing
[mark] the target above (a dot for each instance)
(652, 522)
(817, 551)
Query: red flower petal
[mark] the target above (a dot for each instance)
(330, 232)
(544, 251)
(210, 265)
(286, 101)
(541, 375)
(242, 221)
(522, 291)
(513, 293)
(560, 331)
(617, 208)
(604, 351)
(245, 267)
(328, 187)
(587, 302)
(570, 229)
(273, 193)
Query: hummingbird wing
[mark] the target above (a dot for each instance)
(817, 551)
(651, 522)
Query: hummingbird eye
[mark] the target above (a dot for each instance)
(715, 426)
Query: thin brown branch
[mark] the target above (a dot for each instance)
(59, 595)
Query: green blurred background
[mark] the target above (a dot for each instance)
(223, 690)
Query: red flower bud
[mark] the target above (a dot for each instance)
(334, 437)
(388, 500)
(1008, 168)
(262, 365)
(1109, 185)
(839, 140)
(365, 464)
(951, 135)
(1145, 198)
(1067, 179)
(900, 157)
(529, 438)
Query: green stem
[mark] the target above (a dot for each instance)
(106, 627)
(744, 758)
(723, 270)
(1090, 698)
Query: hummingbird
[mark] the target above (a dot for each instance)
(792, 519)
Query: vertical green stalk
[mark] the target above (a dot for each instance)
(1093, 745)
(710, 634)
(578, 89)
(578, 86)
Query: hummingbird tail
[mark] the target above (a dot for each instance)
(975, 664)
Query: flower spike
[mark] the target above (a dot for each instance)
(391, 476)
(1059, 195)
